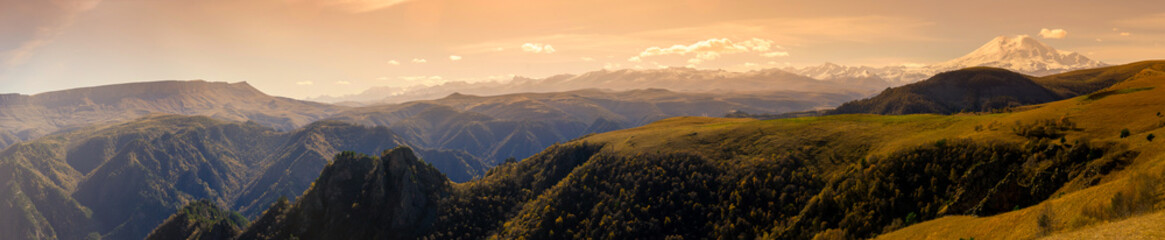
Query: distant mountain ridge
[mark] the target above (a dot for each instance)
(683, 80)
(494, 128)
(1022, 54)
(24, 117)
(985, 89)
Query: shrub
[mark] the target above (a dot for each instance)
(1150, 137)
(1125, 133)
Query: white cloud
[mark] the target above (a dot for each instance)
(587, 59)
(712, 48)
(419, 60)
(775, 54)
(610, 66)
(695, 61)
(635, 59)
(1126, 34)
(382, 78)
(304, 83)
(750, 64)
(343, 83)
(393, 62)
(538, 48)
(454, 57)
(1099, 40)
(1053, 33)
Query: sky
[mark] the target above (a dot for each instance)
(308, 48)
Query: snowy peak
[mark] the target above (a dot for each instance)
(1022, 54)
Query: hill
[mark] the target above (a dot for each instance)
(360, 197)
(118, 181)
(967, 90)
(518, 125)
(844, 176)
(990, 89)
(200, 220)
(26, 117)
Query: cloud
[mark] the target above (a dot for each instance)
(1126, 34)
(343, 83)
(635, 59)
(419, 60)
(775, 54)
(355, 6)
(538, 48)
(587, 59)
(454, 58)
(611, 66)
(712, 48)
(1053, 33)
(695, 61)
(304, 83)
(393, 62)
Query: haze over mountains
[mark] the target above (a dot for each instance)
(687, 80)
(1022, 54)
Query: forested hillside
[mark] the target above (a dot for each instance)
(120, 181)
(844, 176)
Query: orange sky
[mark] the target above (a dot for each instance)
(301, 48)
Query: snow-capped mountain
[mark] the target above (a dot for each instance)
(1022, 54)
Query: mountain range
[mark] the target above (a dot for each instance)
(1022, 54)
(1040, 171)
(118, 181)
(686, 80)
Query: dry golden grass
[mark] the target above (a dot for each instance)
(1101, 120)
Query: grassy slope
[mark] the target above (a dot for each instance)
(1102, 119)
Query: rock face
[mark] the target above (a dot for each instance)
(361, 197)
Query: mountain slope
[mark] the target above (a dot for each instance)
(119, 181)
(200, 220)
(848, 176)
(518, 125)
(967, 90)
(361, 197)
(25, 117)
(989, 89)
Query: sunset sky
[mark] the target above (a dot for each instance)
(307, 48)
